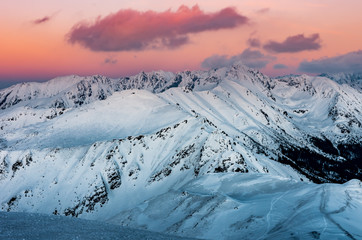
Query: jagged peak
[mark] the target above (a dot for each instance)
(240, 65)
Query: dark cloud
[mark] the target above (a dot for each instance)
(280, 66)
(295, 43)
(349, 62)
(41, 20)
(254, 42)
(250, 58)
(110, 60)
(129, 30)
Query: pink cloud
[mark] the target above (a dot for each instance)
(295, 43)
(263, 11)
(41, 20)
(129, 29)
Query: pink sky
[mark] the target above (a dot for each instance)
(42, 39)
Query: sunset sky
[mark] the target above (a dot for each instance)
(42, 39)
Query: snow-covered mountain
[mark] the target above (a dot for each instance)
(352, 79)
(74, 91)
(101, 148)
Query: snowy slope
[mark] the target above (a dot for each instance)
(92, 181)
(253, 206)
(14, 226)
(94, 147)
(127, 113)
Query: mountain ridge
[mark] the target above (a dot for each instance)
(98, 148)
(76, 91)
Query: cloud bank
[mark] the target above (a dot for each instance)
(349, 62)
(294, 44)
(250, 58)
(131, 30)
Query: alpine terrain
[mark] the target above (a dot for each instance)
(227, 153)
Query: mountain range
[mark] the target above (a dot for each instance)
(214, 154)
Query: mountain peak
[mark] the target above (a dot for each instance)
(239, 64)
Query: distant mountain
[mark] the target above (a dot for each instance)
(101, 148)
(75, 91)
(352, 79)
